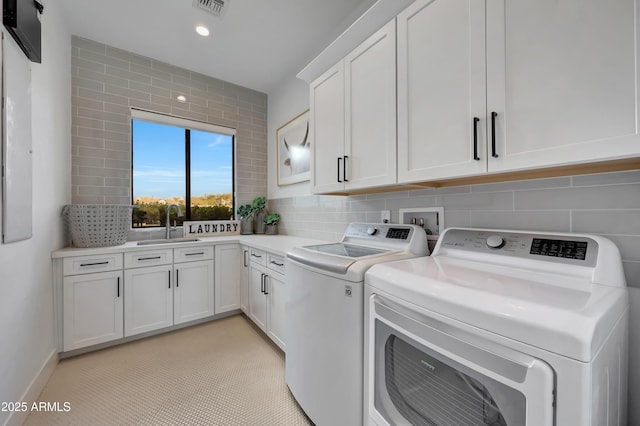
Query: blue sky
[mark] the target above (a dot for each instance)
(159, 163)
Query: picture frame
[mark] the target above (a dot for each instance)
(294, 150)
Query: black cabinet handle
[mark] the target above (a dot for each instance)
(94, 264)
(265, 285)
(244, 258)
(339, 159)
(277, 263)
(149, 258)
(344, 169)
(169, 272)
(493, 134)
(118, 286)
(261, 283)
(177, 279)
(256, 255)
(475, 138)
(200, 253)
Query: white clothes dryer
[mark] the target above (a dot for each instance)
(498, 328)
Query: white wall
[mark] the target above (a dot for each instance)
(26, 304)
(288, 100)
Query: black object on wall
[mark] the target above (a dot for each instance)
(21, 18)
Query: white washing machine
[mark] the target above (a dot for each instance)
(325, 316)
(498, 328)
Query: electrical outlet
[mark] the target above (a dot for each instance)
(385, 216)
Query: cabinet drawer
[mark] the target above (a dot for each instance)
(137, 259)
(89, 264)
(258, 256)
(190, 254)
(275, 263)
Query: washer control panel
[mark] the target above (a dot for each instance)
(570, 249)
(378, 231)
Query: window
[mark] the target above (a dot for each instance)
(177, 161)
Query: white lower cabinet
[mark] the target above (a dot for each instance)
(92, 309)
(148, 299)
(160, 293)
(277, 299)
(193, 293)
(257, 297)
(227, 279)
(267, 295)
(244, 280)
(107, 297)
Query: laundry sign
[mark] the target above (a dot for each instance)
(211, 228)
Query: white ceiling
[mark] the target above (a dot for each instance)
(256, 44)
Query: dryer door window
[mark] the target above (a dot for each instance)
(426, 372)
(428, 389)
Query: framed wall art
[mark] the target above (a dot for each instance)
(294, 150)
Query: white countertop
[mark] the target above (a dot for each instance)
(277, 244)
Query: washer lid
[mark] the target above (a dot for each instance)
(562, 314)
(347, 250)
(333, 257)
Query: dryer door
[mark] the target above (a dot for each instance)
(425, 371)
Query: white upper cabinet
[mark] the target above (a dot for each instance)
(561, 76)
(441, 88)
(353, 118)
(495, 86)
(326, 122)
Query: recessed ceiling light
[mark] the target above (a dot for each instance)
(181, 98)
(202, 30)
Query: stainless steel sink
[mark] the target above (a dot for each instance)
(169, 241)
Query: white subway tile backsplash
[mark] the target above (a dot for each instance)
(477, 201)
(629, 246)
(544, 205)
(559, 182)
(463, 189)
(632, 273)
(457, 219)
(557, 221)
(593, 197)
(631, 176)
(622, 222)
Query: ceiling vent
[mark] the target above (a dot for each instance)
(214, 7)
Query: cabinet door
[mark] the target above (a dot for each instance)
(441, 89)
(148, 299)
(277, 298)
(244, 281)
(562, 78)
(92, 309)
(370, 106)
(326, 128)
(193, 292)
(227, 279)
(257, 298)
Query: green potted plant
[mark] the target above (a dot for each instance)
(245, 213)
(259, 206)
(271, 223)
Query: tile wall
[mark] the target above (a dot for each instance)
(108, 82)
(605, 204)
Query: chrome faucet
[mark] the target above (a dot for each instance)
(168, 226)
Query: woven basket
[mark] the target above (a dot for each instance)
(98, 225)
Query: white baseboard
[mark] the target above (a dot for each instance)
(34, 389)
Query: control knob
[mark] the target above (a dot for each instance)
(495, 242)
(372, 230)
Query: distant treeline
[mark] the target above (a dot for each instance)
(153, 211)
